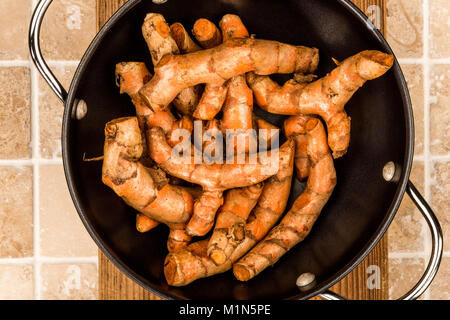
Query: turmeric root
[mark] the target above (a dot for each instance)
(160, 43)
(232, 27)
(230, 221)
(325, 97)
(184, 42)
(144, 223)
(215, 176)
(238, 111)
(205, 208)
(192, 262)
(271, 132)
(130, 78)
(297, 223)
(133, 182)
(178, 238)
(210, 145)
(268, 210)
(206, 33)
(175, 73)
(213, 96)
(295, 127)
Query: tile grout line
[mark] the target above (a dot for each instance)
(427, 87)
(49, 260)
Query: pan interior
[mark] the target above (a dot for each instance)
(359, 204)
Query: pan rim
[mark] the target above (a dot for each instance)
(327, 283)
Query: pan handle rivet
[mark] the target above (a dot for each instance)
(389, 171)
(305, 279)
(80, 110)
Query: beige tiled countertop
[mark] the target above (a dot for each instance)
(45, 252)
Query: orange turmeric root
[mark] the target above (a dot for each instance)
(270, 132)
(230, 221)
(232, 27)
(144, 223)
(160, 43)
(213, 96)
(325, 97)
(193, 262)
(295, 127)
(297, 223)
(133, 182)
(214, 178)
(206, 33)
(130, 78)
(184, 42)
(210, 145)
(238, 113)
(215, 66)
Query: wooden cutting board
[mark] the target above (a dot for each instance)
(114, 285)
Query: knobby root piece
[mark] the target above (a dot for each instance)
(232, 27)
(210, 144)
(271, 132)
(205, 209)
(325, 97)
(214, 66)
(130, 78)
(297, 223)
(238, 112)
(156, 33)
(192, 263)
(184, 42)
(133, 182)
(144, 223)
(230, 221)
(206, 33)
(295, 127)
(178, 238)
(269, 209)
(160, 43)
(213, 96)
(215, 176)
(210, 102)
(184, 123)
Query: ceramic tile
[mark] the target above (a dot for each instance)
(403, 275)
(414, 77)
(440, 197)
(404, 24)
(67, 29)
(16, 212)
(62, 232)
(16, 282)
(405, 232)
(15, 111)
(14, 20)
(440, 110)
(440, 288)
(69, 282)
(51, 111)
(439, 28)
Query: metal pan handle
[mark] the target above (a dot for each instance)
(436, 253)
(35, 50)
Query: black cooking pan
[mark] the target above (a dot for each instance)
(362, 205)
